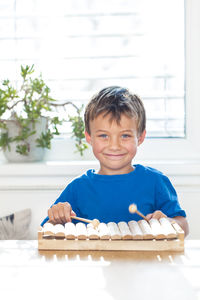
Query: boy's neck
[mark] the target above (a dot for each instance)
(106, 171)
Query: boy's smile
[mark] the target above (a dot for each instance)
(114, 145)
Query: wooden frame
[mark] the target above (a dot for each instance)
(58, 241)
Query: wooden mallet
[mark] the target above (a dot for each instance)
(94, 222)
(133, 210)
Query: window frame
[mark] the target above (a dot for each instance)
(155, 149)
(161, 149)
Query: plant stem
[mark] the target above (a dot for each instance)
(65, 103)
(11, 107)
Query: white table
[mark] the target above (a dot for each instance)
(28, 274)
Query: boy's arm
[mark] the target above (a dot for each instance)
(182, 222)
(61, 210)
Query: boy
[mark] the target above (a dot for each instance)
(115, 123)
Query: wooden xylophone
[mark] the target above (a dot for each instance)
(132, 236)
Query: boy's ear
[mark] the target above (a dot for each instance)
(141, 138)
(88, 137)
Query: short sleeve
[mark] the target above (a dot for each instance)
(166, 198)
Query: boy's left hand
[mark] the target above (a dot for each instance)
(179, 219)
(156, 215)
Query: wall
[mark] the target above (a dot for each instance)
(37, 185)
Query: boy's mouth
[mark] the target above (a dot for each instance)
(114, 156)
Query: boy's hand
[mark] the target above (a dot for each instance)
(179, 219)
(60, 213)
(156, 215)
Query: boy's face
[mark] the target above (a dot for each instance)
(114, 145)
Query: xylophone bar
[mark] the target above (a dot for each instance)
(155, 235)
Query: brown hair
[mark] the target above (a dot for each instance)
(114, 101)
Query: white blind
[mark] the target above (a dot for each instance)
(82, 46)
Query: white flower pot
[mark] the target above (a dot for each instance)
(35, 153)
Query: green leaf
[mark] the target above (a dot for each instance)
(81, 147)
(27, 70)
(3, 125)
(45, 140)
(5, 141)
(23, 149)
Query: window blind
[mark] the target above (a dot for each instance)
(82, 46)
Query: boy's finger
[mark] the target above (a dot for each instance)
(149, 216)
(62, 216)
(56, 215)
(73, 213)
(50, 215)
(67, 210)
(158, 214)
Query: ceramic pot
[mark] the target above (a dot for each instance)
(35, 153)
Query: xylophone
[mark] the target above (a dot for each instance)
(155, 235)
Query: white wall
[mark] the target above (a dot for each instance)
(37, 186)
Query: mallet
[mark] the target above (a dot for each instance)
(133, 210)
(94, 222)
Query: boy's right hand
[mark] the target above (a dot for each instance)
(60, 213)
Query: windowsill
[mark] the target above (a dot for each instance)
(50, 175)
(59, 168)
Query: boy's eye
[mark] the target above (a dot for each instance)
(104, 136)
(125, 136)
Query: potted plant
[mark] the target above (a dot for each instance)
(26, 121)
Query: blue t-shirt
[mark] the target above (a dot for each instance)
(107, 197)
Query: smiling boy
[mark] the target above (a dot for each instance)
(115, 125)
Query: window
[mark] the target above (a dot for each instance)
(82, 46)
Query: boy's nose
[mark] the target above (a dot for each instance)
(114, 144)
